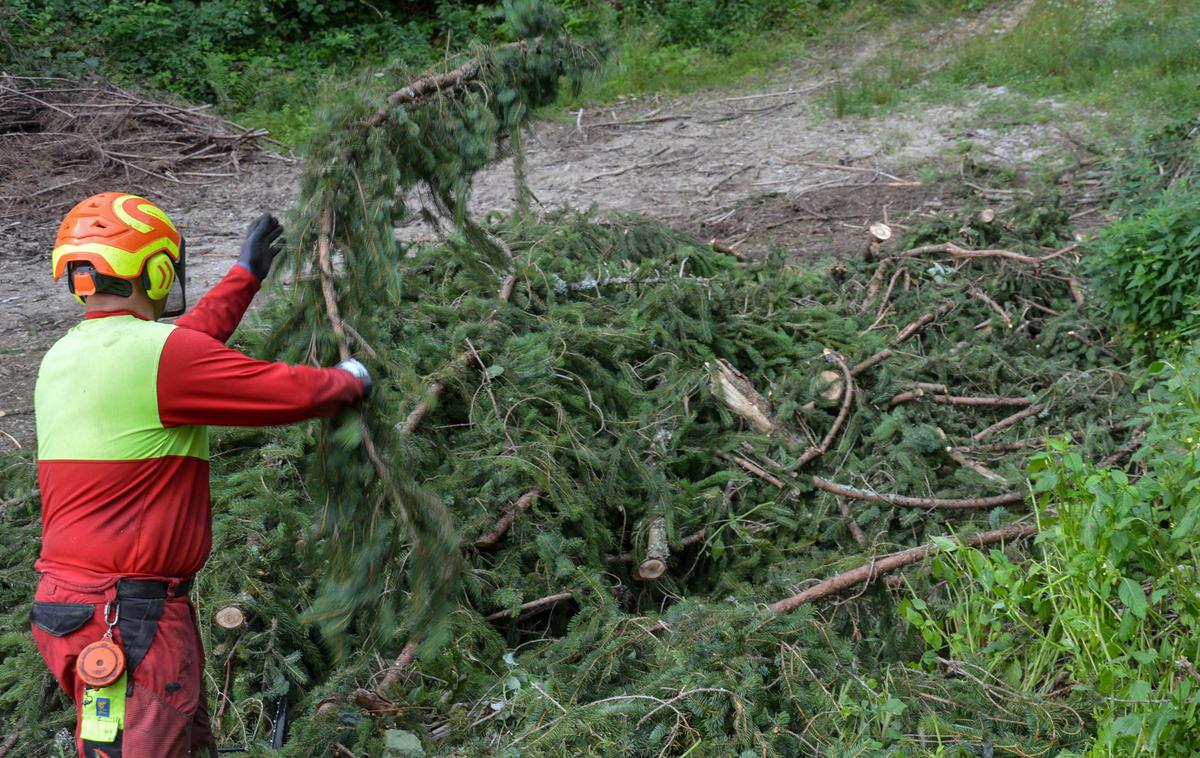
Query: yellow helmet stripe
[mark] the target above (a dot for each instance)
(150, 209)
(124, 263)
(119, 209)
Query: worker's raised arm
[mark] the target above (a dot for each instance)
(200, 381)
(220, 311)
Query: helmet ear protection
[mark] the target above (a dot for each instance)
(157, 279)
(158, 276)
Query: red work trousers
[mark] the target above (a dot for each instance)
(166, 715)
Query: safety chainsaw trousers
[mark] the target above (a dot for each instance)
(157, 709)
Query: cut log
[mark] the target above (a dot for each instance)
(653, 563)
(230, 617)
(833, 392)
(879, 234)
(739, 394)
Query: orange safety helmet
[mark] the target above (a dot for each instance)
(118, 236)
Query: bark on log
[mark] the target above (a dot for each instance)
(905, 501)
(325, 262)
(982, 297)
(867, 573)
(408, 654)
(919, 392)
(867, 363)
(874, 286)
(754, 468)
(975, 466)
(653, 563)
(855, 530)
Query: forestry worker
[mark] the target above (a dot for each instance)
(123, 403)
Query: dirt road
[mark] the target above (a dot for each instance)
(768, 166)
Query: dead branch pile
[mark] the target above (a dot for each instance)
(58, 133)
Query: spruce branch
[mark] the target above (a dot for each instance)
(532, 605)
(1008, 421)
(493, 535)
(868, 572)
(953, 250)
(905, 501)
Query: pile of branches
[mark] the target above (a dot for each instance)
(56, 133)
(617, 491)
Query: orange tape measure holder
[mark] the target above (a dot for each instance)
(102, 662)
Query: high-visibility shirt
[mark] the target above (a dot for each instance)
(123, 407)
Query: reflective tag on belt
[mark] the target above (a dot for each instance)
(103, 712)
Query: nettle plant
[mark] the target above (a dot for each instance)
(1108, 609)
(1147, 268)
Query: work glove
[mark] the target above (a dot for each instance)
(261, 245)
(359, 372)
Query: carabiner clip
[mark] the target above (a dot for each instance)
(115, 608)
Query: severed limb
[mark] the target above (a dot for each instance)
(906, 332)
(1008, 421)
(506, 520)
(954, 251)
(938, 397)
(870, 571)
(653, 563)
(532, 605)
(905, 501)
(740, 396)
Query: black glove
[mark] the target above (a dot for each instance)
(261, 245)
(359, 372)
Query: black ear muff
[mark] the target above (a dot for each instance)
(83, 280)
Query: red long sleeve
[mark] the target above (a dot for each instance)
(200, 381)
(220, 311)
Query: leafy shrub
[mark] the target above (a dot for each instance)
(1147, 268)
(1109, 610)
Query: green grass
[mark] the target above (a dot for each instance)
(1138, 59)
(1134, 62)
(642, 67)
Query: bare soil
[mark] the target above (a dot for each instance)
(753, 170)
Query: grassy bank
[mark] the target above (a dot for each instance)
(1135, 61)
